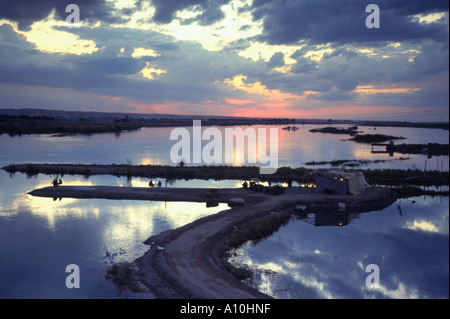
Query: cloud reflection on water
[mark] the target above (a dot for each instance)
(411, 250)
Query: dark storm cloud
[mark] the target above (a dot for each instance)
(341, 22)
(412, 7)
(304, 65)
(26, 12)
(210, 11)
(277, 60)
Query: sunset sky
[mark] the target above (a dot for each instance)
(261, 58)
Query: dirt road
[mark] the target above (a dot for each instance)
(190, 260)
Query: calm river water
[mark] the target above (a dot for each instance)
(39, 237)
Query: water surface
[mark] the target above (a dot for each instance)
(39, 237)
(326, 255)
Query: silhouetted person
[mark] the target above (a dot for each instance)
(57, 182)
(151, 184)
(159, 183)
(244, 184)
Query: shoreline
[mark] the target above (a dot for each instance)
(42, 121)
(192, 261)
(301, 175)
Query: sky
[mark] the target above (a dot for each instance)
(253, 58)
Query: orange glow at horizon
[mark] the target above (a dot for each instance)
(371, 89)
(265, 97)
(238, 102)
(157, 108)
(265, 103)
(335, 112)
(260, 89)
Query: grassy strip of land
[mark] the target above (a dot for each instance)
(45, 125)
(159, 171)
(122, 276)
(283, 174)
(336, 130)
(254, 230)
(351, 163)
(396, 177)
(360, 138)
(374, 138)
(411, 191)
(430, 148)
(19, 125)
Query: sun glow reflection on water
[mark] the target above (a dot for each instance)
(40, 236)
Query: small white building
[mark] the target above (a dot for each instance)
(341, 183)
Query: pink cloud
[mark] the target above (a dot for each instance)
(238, 102)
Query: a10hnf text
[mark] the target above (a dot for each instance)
(243, 308)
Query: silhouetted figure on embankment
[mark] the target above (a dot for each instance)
(57, 182)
